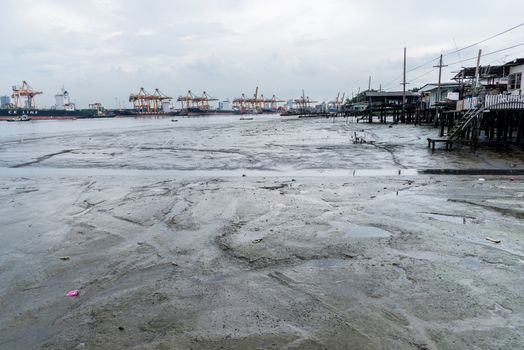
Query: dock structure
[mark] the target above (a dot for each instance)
(482, 105)
(381, 105)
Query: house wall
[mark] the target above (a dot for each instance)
(433, 95)
(515, 80)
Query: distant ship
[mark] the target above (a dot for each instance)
(24, 106)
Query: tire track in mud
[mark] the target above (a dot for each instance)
(42, 158)
(392, 153)
(289, 283)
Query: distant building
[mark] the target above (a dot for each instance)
(4, 101)
(224, 105)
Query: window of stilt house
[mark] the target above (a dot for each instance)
(514, 81)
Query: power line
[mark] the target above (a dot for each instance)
(467, 47)
(487, 54)
(423, 75)
(392, 82)
(457, 51)
(484, 40)
(422, 65)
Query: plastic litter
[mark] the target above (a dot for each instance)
(481, 180)
(73, 293)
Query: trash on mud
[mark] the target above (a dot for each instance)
(276, 187)
(481, 180)
(65, 258)
(258, 240)
(73, 293)
(360, 139)
(493, 240)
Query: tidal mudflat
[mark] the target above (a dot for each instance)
(213, 233)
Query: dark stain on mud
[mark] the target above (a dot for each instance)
(42, 158)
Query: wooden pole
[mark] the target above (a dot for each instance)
(440, 116)
(477, 70)
(404, 87)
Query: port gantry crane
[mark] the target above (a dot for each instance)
(191, 101)
(256, 104)
(337, 103)
(304, 103)
(145, 102)
(272, 103)
(24, 91)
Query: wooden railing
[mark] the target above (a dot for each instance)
(495, 102)
(504, 102)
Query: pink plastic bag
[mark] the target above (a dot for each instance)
(73, 293)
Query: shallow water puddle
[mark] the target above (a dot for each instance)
(446, 217)
(471, 262)
(350, 230)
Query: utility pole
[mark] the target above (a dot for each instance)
(404, 89)
(477, 71)
(438, 97)
(440, 66)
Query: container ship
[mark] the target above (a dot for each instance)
(23, 106)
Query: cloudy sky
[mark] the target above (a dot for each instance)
(102, 50)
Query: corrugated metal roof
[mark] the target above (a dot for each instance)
(391, 94)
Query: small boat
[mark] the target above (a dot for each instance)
(246, 118)
(22, 118)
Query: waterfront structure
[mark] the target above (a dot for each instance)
(429, 93)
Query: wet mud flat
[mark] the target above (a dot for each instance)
(305, 263)
(213, 259)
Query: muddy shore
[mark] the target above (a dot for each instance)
(216, 233)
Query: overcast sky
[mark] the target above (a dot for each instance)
(102, 50)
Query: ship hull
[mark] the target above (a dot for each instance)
(46, 114)
(136, 113)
